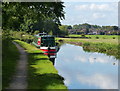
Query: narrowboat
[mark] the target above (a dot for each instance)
(46, 43)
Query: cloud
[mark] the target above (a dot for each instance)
(98, 15)
(90, 0)
(100, 7)
(95, 7)
(99, 80)
(81, 7)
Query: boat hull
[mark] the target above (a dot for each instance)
(49, 51)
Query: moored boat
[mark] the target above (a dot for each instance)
(46, 43)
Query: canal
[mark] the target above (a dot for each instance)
(86, 70)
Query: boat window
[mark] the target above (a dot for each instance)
(48, 41)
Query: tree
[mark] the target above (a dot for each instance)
(69, 27)
(75, 26)
(63, 29)
(24, 15)
(115, 28)
(87, 31)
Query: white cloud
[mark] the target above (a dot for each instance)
(81, 7)
(99, 7)
(90, 0)
(95, 7)
(98, 15)
(99, 80)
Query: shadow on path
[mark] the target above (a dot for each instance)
(19, 80)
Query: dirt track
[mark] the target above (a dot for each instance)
(19, 80)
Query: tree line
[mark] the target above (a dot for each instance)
(90, 29)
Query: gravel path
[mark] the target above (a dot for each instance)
(19, 80)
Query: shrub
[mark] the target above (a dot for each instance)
(97, 37)
(36, 32)
(83, 35)
(113, 37)
(21, 35)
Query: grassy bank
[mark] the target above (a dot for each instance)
(97, 36)
(10, 55)
(108, 46)
(41, 72)
(106, 41)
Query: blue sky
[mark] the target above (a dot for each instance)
(99, 13)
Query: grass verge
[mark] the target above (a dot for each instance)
(10, 55)
(106, 41)
(41, 72)
(97, 36)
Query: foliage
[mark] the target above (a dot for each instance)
(63, 30)
(21, 35)
(89, 29)
(69, 27)
(31, 16)
(41, 72)
(36, 32)
(109, 49)
(6, 35)
(100, 36)
(82, 35)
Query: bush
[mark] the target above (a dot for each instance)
(82, 35)
(97, 37)
(36, 32)
(113, 37)
(6, 35)
(21, 35)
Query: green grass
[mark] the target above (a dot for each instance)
(107, 41)
(100, 36)
(10, 55)
(41, 72)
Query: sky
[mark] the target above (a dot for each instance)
(96, 13)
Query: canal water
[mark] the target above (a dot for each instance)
(86, 70)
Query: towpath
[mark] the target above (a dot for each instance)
(19, 80)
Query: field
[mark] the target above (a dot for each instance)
(99, 36)
(106, 41)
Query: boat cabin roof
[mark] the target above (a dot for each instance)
(42, 35)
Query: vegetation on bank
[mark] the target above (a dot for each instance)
(41, 72)
(78, 40)
(97, 36)
(10, 56)
(108, 46)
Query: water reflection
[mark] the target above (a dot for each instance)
(83, 70)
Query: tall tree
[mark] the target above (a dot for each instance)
(24, 15)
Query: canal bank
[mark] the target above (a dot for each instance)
(102, 46)
(41, 72)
